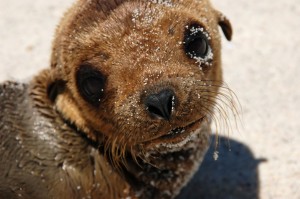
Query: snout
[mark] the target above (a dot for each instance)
(168, 111)
(161, 105)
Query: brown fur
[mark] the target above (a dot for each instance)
(115, 149)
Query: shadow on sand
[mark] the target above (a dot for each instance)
(233, 176)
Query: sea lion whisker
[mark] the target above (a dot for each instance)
(226, 124)
(230, 100)
(221, 121)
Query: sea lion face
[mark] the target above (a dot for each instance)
(147, 73)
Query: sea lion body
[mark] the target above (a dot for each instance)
(124, 110)
(53, 161)
(41, 156)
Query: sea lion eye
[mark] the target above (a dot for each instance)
(195, 42)
(90, 83)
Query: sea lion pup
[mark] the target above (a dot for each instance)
(124, 109)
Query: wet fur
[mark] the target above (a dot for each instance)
(57, 145)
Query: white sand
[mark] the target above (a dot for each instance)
(262, 65)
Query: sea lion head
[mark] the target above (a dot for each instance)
(137, 74)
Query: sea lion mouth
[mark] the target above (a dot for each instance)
(179, 134)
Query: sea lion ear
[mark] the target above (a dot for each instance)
(225, 25)
(55, 88)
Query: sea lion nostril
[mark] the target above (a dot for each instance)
(161, 104)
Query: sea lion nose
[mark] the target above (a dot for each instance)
(160, 105)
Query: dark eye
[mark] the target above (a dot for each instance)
(91, 86)
(90, 83)
(195, 42)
